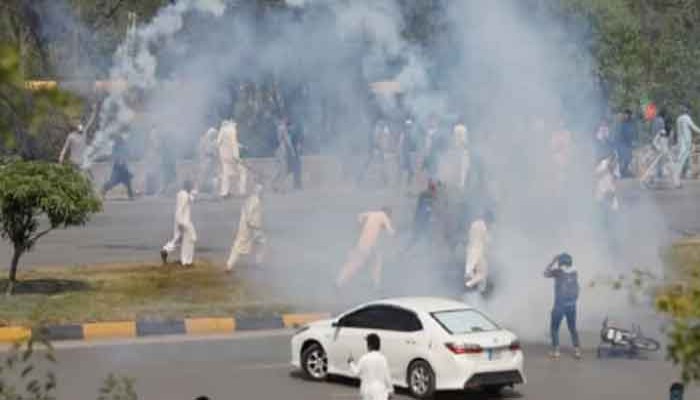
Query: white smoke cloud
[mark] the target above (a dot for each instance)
(135, 64)
(509, 72)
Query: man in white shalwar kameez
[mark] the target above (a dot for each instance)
(230, 158)
(662, 162)
(76, 143)
(250, 236)
(606, 187)
(476, 269)
(184, 233)
(373, 370)
(75, 147)
(685, 128)
(373, 223)
(460, 136)
(207, 158)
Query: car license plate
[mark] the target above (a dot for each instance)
(493, 354)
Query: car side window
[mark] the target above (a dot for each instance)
(403, 320)
(383, 318)
(363, 318)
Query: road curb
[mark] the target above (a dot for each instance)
(150, 328)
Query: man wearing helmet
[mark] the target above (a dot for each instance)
(566, 290)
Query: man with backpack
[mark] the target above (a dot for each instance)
(566, 291)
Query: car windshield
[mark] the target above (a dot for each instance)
(458, 322)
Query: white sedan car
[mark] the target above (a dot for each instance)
(431, 344)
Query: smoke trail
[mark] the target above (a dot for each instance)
(135, 65)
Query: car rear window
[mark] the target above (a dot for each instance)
(458, 322)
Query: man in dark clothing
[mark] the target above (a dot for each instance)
(626, 136)
(566, 290)
(120, 168)
(423, 218)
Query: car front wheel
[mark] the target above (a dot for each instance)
(315, 362)
(421, 380)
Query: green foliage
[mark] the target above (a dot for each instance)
(117, 388)
(25, 114)
(680, 300)
(33, 190)
(25, 373)
(29, 190)
(643, 48)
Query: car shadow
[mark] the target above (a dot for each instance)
(453, 395)
(474, 394)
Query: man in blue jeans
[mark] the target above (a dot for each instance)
(566, 290)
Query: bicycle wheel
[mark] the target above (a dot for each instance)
(646, 344)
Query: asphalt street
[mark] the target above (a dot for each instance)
(256, 366)
(309, 234)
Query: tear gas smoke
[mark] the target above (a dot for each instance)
(136, 64)
(517, 76)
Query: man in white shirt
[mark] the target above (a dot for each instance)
(373, 370)
(184, 233)
(685, 128)
(230, 158)
(74, 147)
(373, 223)
(207, 157)
(460, 136)
(76, 142)
(476, 270)
(250, 236)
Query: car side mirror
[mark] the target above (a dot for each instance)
(335, 324)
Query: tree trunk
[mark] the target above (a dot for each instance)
(13, 271)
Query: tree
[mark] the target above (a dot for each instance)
(26, 116)
(642, 48)
(680, 300)
(30, 191)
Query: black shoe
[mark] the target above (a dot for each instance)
(164, 256)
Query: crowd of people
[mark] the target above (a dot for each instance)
(663, 160)
(453, 208)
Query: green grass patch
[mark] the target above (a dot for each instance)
(683, 259)
(128, 292)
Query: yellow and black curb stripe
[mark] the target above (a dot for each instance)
(143, 328)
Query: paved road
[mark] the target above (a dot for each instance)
(255, 366)
(309, 234)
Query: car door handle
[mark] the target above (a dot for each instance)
(410, 341)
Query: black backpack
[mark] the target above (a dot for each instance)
(568, 287)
